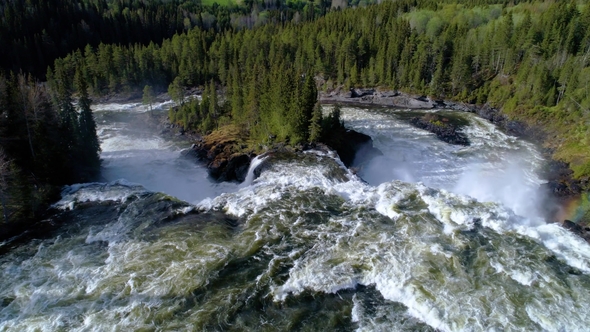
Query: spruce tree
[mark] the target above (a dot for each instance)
(149, 98)
(68, 119)
(315, 124)
(176, 91)
(88, 144)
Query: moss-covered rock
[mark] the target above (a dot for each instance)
(226, 153)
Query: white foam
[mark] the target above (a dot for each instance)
(454, 262)
(135, 107)
(118, 190)
(121, 143)
(495, 167)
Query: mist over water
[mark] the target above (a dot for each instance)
(495, 167)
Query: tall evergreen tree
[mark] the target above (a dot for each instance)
(68, 118)
(149, 97)
(176, 91)
(315, 124)
(88, 144)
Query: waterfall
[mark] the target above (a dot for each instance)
(250, 176)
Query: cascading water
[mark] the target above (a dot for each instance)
(309, 246)
(250, 175)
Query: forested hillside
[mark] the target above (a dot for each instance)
(530, 59)
(34, 33)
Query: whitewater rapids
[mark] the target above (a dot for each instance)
(307, 245)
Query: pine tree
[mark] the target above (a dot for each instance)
(176, 91)
(213, 107)
(68, 118)
(88, 144)
(149, 98)
(308, 100)
(315, 124)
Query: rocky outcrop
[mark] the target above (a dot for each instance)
(376, 97)
(578, 229)
(560, 180)
(444, 131)
(357, 148)
(229, 168)
(228, 159)
(353, 148)
(224, 153)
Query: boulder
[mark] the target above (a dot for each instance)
(224, 154)
(443, 130)
(572, 226)
(358, 93)
(353, 148)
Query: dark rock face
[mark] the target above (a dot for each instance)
(445, 131)
(232, 168)
(222, 160)
(512, 127)
(560, 180)
(358, 149)
(353, 148)
(584, 232)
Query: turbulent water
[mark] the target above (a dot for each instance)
(133, 150)
(432, 237)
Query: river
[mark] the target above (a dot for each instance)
(429, 236)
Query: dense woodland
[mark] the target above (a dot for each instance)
(46, 141)
(47, 131)
(33, 33)
(260, 63)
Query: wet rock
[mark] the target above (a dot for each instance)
(443, 130)
(358, 150)
(570, 225)
(234, 168)
(224, 154)
(560, 181)
(358, 93)
(353, 148)
(578, 229)
(374, 97)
